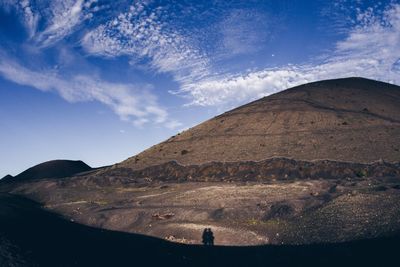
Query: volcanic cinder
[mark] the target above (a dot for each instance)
(314, 163)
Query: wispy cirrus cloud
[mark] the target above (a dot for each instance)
(59, 18)
(131, 102)
(243, 31)
(142, 33)
(63, 17)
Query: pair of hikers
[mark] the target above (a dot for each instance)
(208, 237)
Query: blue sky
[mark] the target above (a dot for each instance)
(103, 80)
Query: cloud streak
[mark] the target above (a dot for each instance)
(130, 102)
(58, 18)
(63, 17)
(31, 19)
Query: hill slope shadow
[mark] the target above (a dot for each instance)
(31, 236)
(50, 169)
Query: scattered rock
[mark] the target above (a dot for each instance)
(164, 216)
(280, 210)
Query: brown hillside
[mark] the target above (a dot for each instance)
(353, 119)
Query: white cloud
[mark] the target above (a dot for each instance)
(24, 7)
(30, 18)
(59, 18)
(371, 49)
(173, 124)
(130, 102)
(64, 16)
(143, 34)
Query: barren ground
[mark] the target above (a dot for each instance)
(279, 212)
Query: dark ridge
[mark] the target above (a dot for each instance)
(52, 169)
(31, 236)
(261, 171)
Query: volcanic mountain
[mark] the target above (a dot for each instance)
(50, 169)
(316, 163)
(351, 120)
(336, 127)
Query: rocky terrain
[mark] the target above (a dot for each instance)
(318, 163)
(240, 213)
(243, 171)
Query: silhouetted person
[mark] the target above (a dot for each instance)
(204, 236)
(208, 237)
(211, 237)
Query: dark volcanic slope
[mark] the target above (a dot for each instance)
(30, 236)
(351, 120)
(276, 168)
(51, 169)
(7, 177)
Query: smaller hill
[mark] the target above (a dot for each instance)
(51, 169)
(7, 177)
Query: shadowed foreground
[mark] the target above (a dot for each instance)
(31, 236)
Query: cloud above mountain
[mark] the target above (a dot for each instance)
(371, 49)
(189, 43)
